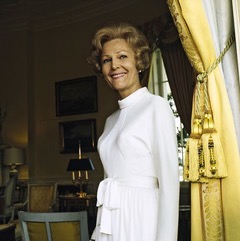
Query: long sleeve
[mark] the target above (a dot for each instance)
(166, 163)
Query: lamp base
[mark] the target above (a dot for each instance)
(81, 194)
(13, 172)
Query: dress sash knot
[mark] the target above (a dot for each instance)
(107, 198)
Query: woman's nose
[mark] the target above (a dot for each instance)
(115, 64)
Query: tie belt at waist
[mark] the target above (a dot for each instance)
(108, 196)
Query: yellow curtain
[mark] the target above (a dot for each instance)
(215, 202)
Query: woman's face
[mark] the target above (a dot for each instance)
(119, 67)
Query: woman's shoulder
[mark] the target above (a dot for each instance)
(157, 100)
(159, 109)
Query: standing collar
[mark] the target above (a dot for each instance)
(135, 96)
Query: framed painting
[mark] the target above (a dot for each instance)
(73, 132)
(76, 96)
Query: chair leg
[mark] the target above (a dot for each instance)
(12, 216)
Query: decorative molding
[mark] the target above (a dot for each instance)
(38, 15)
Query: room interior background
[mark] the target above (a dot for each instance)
(41, 43)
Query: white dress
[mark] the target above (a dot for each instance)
(138, 200)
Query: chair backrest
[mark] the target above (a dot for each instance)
(70, 226)
(7, 200)
(41, 197)
(9, 192)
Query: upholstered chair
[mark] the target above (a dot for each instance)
(41, 197)
(7, 200)
(70, 226)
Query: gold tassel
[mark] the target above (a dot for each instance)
(186, 164)
(191, 169)
(201, 161)
(193, 160)
(197, 127)
(215, 166)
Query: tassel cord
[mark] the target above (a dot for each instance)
(202, 76)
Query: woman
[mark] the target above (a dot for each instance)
(138, 199)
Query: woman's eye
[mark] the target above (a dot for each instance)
(123, 56)
(104, 61)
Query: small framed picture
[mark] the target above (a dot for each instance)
(73, 132)
(76, 96)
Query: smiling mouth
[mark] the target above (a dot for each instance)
(114, 76)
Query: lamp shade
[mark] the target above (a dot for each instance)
(12, 156)
(83, 164)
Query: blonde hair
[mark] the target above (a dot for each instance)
(133, 36)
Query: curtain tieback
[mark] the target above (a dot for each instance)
(204, 74)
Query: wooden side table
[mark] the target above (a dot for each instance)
(7, 232)
(72, 203)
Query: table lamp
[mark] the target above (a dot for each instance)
(81, 166)
(13, 157)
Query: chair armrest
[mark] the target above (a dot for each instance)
(19, 206)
